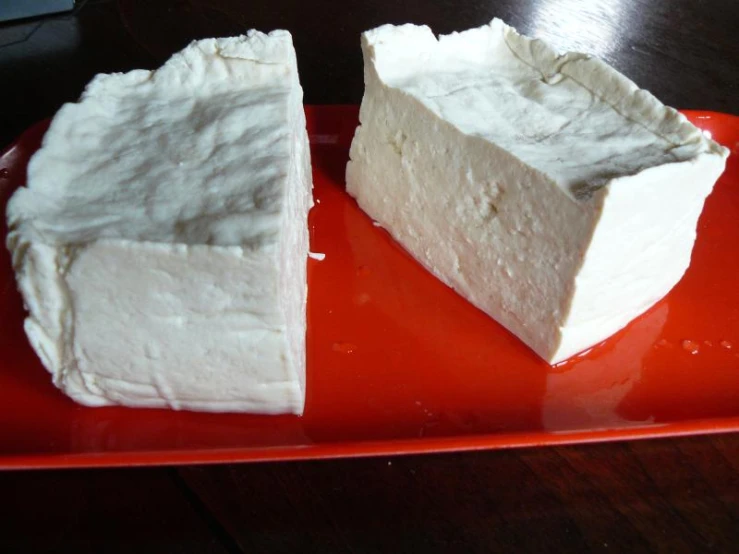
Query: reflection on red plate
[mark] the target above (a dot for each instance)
(399, 363)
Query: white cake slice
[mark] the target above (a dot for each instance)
(548, 190)
(161, 242)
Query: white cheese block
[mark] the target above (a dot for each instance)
(548, 190)
(161, 242)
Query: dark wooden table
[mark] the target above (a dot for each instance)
(676, 495)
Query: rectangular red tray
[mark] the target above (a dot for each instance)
(398, 363)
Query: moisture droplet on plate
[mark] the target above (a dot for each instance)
(343, 347)
(726, 344)
(691, 346)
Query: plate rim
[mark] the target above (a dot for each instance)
(369, 448)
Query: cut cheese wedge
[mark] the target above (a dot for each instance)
(161, 242)
(548, 190)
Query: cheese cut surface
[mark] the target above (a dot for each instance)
(547, 189)
(161, 242)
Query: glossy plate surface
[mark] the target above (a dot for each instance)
(398, 363)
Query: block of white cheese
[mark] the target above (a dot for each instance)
(161, 242)
(548, 190)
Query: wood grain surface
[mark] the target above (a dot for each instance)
(677, 495)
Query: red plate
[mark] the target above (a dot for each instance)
(398, 363)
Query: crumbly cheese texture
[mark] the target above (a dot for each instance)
(547, 189)
(161, 242)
